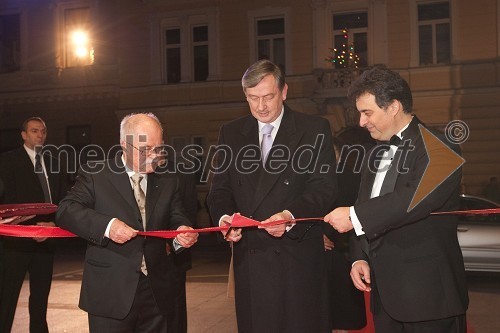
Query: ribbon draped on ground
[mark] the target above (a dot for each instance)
(238, 221)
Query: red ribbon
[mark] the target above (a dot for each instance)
(238, 221)
(37, 208)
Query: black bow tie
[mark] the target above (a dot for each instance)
(395, 140)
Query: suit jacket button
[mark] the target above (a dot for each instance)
(374, 254)
(278, 252)
(252, 251)
(286, 182)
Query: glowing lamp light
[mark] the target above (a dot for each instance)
(81, 52)
(79, 38)
(81, 47)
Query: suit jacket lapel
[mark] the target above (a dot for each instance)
(120, 180)
(287, 136)
(53, 177)
(412, 133)
(152, 195)
(367, 178)
(250, 136)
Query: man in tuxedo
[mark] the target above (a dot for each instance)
(129, 283)
(29, 175)
(279, 271)
(409, 260)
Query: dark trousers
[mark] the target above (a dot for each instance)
(19, 257)
(144, 316)
(386, 324)
(178, 324)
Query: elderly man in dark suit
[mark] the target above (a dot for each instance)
(409, 260)
(28, 176)
(129, 283)
(280, 277)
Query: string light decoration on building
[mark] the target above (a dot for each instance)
(345, 56)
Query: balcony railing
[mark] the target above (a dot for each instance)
(334, 82)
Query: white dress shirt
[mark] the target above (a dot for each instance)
(383, 167)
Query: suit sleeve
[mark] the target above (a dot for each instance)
(177, 210)
(376, 220)
(76, 211)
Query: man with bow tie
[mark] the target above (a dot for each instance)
(409, 260)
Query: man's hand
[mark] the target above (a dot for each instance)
(120, 232)
(43, 224)
(329, 245)
(231, 234)
(360, 275)
(276, 230)
(16, 219)
(186, 239)
(339, 219)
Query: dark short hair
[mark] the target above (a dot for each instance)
(383, 83)
(260, 69)
(24, 126)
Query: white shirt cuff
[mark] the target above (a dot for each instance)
(222, 218)
(106, 233)
(354, 263)
(290, 225)
(358, 228)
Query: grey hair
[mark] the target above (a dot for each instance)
(126, 124)
(260, 69)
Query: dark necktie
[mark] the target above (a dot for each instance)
(42, 178)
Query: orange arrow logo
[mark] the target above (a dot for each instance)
(443, 161)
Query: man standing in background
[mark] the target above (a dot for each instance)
(29, 176)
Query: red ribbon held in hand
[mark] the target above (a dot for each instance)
(238, 221)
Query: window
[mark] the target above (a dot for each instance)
(350, 40)
(188, 46)
(173, 55)
(186, 62)
(200, 53)
(79, 50)
(271, 40)
(434, 33)
(10, 43)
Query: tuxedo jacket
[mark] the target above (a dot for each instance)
(111, 270)
(278, 281)
(415, 258)
(21, 184)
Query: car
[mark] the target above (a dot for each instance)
(479, 235)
